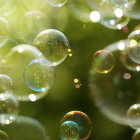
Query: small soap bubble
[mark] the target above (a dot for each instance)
(77, 83)
(31, 24)
(136, 135)
(133, 115)
(82, 120)
(135, 35)
(69, 130)
(53, 44)
(8, 104)
(6, 84)
(57, 3)
(103, 61)
(39, 75)
(3, 135)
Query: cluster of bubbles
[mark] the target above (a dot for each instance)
(75, 125)
(29, 50)
(112, 73)
(113, 14)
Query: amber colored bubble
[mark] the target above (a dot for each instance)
(83, 122)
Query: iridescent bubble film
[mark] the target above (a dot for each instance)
(82, 120)
(8, 103)
(69, 130)
(103, 61)
(39, 75)
(53, 44)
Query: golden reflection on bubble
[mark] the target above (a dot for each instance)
(77, 83)
(103, 61)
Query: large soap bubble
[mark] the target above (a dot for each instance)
(53, 44)
(14, 65)
(20, 127)
(114, 92)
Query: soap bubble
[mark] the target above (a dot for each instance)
(134, 49)
(77, 83)
(53, 44)
(136, 135)
(114, 93)
(135, 14)
(8, 103)
(6, 84)
(20, 127)
(133, 115)
(103, 61)
(57, 3)
(82, 120)
(39, 75)
(3, 135)
(135, 35)
(110, 16)
(31, 24)
(14, 65)
(4, 30)
(69, 130)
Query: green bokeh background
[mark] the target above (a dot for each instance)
(85, 39)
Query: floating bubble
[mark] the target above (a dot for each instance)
(53, 44)
(82, 120)
(103, 61)
(31, 24)
(136, 135)
(14, 65)
(113, 92)
(135, 14)
(6, 84)
(110, 16)
(69, 130)
(57, 3)
(135, 35)
(8, 104)
(39, 75)
(3, 135)
(27, 128)
(133, 115)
